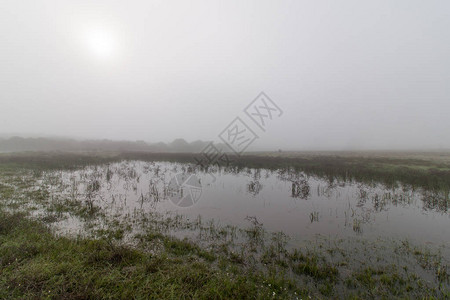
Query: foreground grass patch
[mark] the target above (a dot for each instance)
(36, 264)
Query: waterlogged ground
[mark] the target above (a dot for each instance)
(300, 206)
(329, 235)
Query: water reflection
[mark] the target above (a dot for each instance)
(255, 186)
(331, 207)
(300, 187)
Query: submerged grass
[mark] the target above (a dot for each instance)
(428, 170)
(35, 263)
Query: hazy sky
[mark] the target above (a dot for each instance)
(347, 74)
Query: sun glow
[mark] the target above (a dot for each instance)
(102, 44)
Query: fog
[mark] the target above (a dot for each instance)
(346, 74)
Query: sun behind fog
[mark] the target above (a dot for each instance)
(102, 44)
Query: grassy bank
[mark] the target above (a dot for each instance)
(35, 264)
(430, 171)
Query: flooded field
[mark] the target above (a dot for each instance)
(325, 235)
(300, 206)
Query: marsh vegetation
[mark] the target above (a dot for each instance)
(279, 231)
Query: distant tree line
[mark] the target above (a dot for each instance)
(19, 144)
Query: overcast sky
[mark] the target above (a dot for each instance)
(347, 74)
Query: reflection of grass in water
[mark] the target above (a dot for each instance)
(35, 264)
(314, 216)
(419, 171)
(427, 170)
(357, 225)
(195, 265)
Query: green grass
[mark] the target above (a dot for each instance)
(36, 264)
(310, 266)
(428, 171)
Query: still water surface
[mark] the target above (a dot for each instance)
(301, 206)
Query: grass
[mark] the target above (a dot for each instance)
(309, 265)
(37, 264)
(429, 171)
